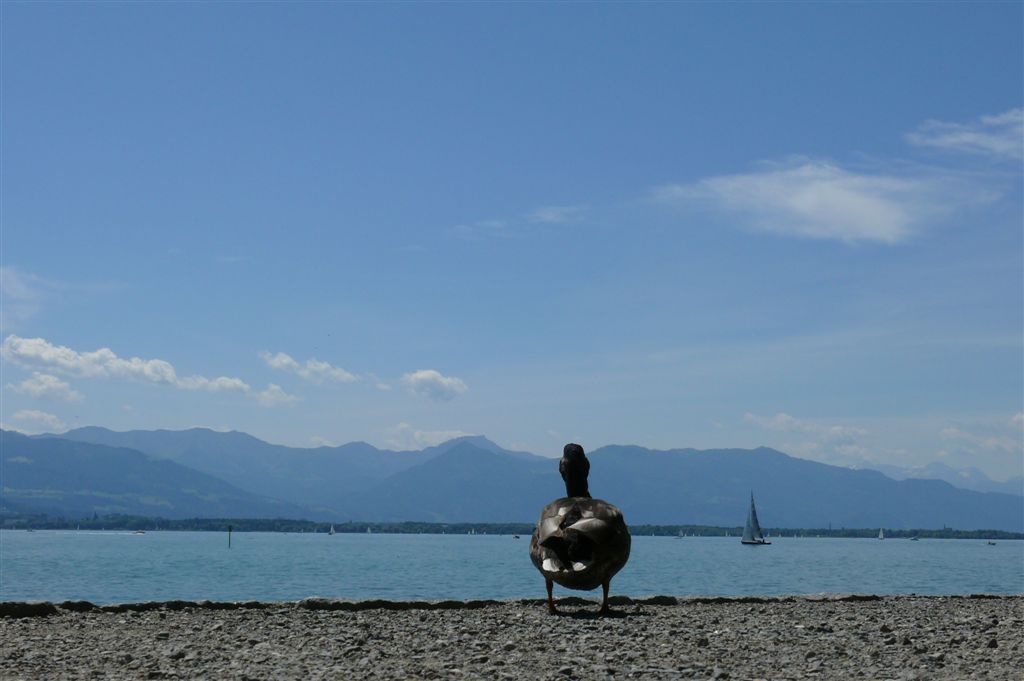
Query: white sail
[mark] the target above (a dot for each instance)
(752, 531)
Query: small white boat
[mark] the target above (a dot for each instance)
(331, 531)
(881, 534)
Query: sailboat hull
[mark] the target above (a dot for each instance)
(754, 542)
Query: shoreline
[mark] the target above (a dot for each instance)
(287, 526)
(821, 636)
(43, 608)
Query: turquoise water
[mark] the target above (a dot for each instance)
(113, 567)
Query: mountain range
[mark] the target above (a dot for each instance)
(205, 473)
(966, 478)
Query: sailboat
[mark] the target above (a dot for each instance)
(331, 531)
(881, 533)
(752, 532)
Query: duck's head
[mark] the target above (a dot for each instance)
(575, 467)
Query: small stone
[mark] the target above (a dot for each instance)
(703, 642)
(565, 671)
(885, 629)
(992, 643)
(719, 673)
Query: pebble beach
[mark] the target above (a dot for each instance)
(826, 637)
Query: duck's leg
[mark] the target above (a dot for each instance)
(552, 610)
(605, 610)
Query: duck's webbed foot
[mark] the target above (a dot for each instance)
(552, 610)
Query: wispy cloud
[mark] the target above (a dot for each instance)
(45, 386)
(432, 384)
(275, 396)
(1000, 136)
(22, 293)
(312, 369)
(821, 441)
(506, 228)
(783, 422)
(481, 229)
(819, 200)
(405, 436)
(1002, 442)
(556, 214)
(37, 418)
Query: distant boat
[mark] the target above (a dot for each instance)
(331, 531)
(991, 543)
(139, 532)
(515, 536)
(369, 531)
(881, 533)
(752, 532)
(914, 538)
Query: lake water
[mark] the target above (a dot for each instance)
(114, 567)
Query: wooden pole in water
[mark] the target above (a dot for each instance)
(229, 536)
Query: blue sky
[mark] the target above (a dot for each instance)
(706, 225)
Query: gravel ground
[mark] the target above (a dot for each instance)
(830, 637)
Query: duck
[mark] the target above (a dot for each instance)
(580, 542)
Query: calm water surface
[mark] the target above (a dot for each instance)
(112, 567)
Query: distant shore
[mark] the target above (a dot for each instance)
(148, 524)
(819, 637)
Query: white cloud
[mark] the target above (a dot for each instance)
(405, 436)
(1018, 418)
(313, 370)
(819, 200)
(432, 384)
(46, 386)
(999, 136)
(42, 418)
(556, 214)
(322, 442)
(104, 363)
(275, 396)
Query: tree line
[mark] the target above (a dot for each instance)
(147, 524)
